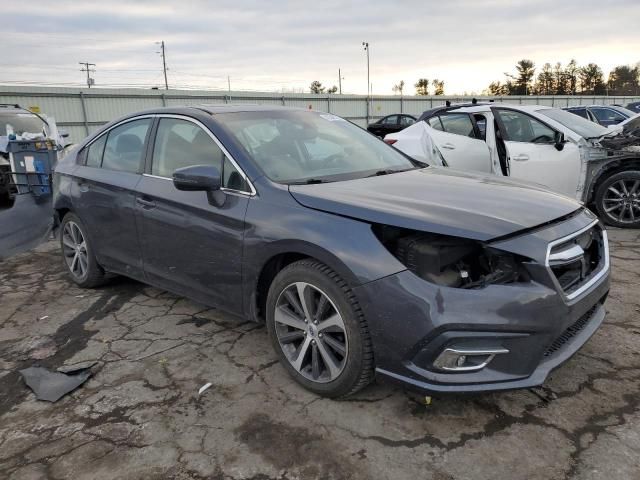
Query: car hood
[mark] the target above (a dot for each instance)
(441, 201)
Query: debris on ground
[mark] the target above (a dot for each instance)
(203, 388)
(52, 386)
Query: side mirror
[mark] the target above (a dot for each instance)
(558, 140)
(202, 178)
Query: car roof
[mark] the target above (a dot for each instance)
(481, 107)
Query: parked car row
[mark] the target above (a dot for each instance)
(362, 260)
(605, 115)
(552, 147)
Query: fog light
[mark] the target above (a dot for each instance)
(466, 360)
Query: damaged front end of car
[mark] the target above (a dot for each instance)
(471, 315)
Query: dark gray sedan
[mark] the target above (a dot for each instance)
(359, 259)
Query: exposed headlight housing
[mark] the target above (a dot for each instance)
(451, 261)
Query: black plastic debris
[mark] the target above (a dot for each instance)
(52, 386)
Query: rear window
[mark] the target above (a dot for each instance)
(21, 122)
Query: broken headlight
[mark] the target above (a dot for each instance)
(452, 261)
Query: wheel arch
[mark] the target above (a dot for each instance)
(260, 279)
(608, 169)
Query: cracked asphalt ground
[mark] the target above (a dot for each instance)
(140, 416)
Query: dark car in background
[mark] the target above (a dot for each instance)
(391, 124)
(604, 115)
(359, 259)
(634, 107)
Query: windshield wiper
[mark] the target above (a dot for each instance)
(389, 171)
(309, 181)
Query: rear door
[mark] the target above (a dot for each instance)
(457, 138)
(190, 246)
(103, 194)
(532, 154)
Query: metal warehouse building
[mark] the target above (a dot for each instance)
(81, 111)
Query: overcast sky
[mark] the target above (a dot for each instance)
(276, 44)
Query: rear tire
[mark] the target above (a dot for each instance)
(618, 199)
(77, 253)
(318, 330)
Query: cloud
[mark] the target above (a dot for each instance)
(280, 43)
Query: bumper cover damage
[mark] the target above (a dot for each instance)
(534, 327)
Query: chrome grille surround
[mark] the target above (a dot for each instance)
(574, 253)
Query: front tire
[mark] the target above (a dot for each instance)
(318, 330)
(618, 199)
(77, 253)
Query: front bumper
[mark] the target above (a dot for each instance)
(412, 321)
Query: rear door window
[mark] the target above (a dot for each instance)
(125, 146)
(458, 123)
(405, 121)
(582, 112)
(95, 151)
(434, 122)
(390, 120)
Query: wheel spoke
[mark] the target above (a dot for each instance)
(291, 336)
(292, 298)
(321, 308)
(336, 345)
(283, 316)
(67, 241)
(83, 263)
(300, 354)
(334, 320)
(329, 360)
(74, 262)
(615, 191)
(624, 187)
(634, 189)
(610, 209)
(315, 362)
(304, 295)
(621, 215)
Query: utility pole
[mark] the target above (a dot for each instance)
(164, 64)
(87, 68)
(340, 78)
(366, 48)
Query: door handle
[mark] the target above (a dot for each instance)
(83, 187)
(146, 204)
(523, 157)
(449, 146)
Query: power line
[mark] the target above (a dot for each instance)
(87, 69)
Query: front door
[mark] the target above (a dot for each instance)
(190, 246)
(103, 195)
(532, 154)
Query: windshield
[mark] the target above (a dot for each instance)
(296, 146)
(581, 126)
(21, 122)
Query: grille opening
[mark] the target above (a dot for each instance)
(580, 258)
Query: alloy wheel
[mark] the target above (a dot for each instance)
(621, 201)
(74, 247)
(311, 332)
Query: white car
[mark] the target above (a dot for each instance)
(545, 145)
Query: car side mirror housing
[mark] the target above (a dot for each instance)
(559, 141)
(203, 178)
